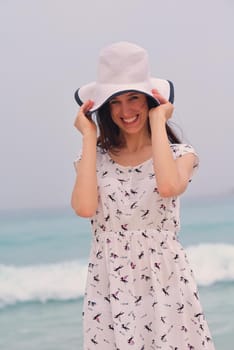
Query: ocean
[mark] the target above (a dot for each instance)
(43, 266)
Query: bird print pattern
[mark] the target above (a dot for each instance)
(140, 292)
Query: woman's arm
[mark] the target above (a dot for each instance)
(85, 195)
(172, 175)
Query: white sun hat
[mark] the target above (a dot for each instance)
(123, 67)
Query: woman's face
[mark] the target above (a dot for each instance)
(129, 111)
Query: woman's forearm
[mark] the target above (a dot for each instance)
(85, 196)
(166, 171)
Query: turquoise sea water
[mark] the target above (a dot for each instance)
(43, 264)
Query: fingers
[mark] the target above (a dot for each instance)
(165, 106)
(158, 96)
(84, 111)
(86, 106)
(83, 121)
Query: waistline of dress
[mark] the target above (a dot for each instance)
(104, 236)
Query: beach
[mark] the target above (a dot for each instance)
(43, 266)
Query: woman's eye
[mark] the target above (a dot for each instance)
(113, 102)
(135, 97)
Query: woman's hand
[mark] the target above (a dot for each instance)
(84, 123)
(164, 110)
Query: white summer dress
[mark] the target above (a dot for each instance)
(140, 292)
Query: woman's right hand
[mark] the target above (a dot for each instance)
(84, 123)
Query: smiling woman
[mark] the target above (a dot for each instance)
(140, 291)
(129, 109)
(132, 102)
(129, 112)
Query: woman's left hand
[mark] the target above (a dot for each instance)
(165, 109)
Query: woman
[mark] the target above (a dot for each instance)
(140, 291)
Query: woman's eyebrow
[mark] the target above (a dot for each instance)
(133, 93)
(129, 94)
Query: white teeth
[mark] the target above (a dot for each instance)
(130, 120)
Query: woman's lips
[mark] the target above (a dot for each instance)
(130, 120)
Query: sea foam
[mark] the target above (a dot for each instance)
(211, 263)
(60, 281)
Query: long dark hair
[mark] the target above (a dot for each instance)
(110, 136)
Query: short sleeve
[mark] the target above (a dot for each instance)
(77, 159)
(99, 160)
(181, 149)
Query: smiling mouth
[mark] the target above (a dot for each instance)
(130, 120)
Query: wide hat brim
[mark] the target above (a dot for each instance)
(101, 93)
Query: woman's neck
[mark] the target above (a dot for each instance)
(134, 143)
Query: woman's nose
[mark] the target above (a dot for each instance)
(126, 110)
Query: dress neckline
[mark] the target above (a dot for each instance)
(128, 166)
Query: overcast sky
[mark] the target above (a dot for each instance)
(50, 47)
